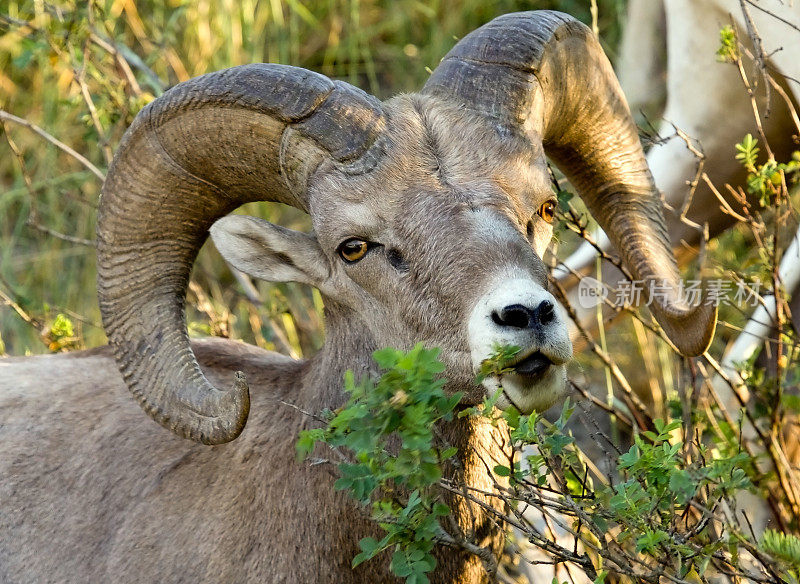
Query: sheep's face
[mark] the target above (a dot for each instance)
(440, 243)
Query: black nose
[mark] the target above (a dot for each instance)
(523, 317)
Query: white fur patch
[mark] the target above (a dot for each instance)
(552, 340)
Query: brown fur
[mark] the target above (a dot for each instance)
(97, 492)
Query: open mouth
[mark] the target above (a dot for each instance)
(533, 366)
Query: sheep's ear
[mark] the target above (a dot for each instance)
(270, 252)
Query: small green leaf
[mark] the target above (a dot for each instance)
(369, 548)
(682, 485)
(564, 198)
(440, 509)
(449, 452)
(728, 50)
(782, 545)
(307, 441)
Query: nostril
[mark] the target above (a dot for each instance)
(522, 317)
(546, 312)
(514, 315)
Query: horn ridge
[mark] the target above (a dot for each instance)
(546, 73)
(205, 147)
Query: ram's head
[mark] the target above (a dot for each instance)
(430, 211)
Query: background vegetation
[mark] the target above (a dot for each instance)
(73, 74)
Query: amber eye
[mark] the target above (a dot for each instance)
(353, 250)
(548, 211)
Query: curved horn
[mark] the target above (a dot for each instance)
(207, 146)
(545, 73)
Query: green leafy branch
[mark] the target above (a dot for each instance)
(388, 426)
(660, 512)
(764, 179)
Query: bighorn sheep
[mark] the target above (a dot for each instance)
(430, 214)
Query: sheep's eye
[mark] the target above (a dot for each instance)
(548, 211)
(353, 250)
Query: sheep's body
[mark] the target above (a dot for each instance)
(707, 99)
(99, 492)
(430, 215)
(669, 53)
(95, 492)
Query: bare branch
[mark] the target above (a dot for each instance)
(7, 117)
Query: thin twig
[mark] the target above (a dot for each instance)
(7, 117)
(32, 220)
